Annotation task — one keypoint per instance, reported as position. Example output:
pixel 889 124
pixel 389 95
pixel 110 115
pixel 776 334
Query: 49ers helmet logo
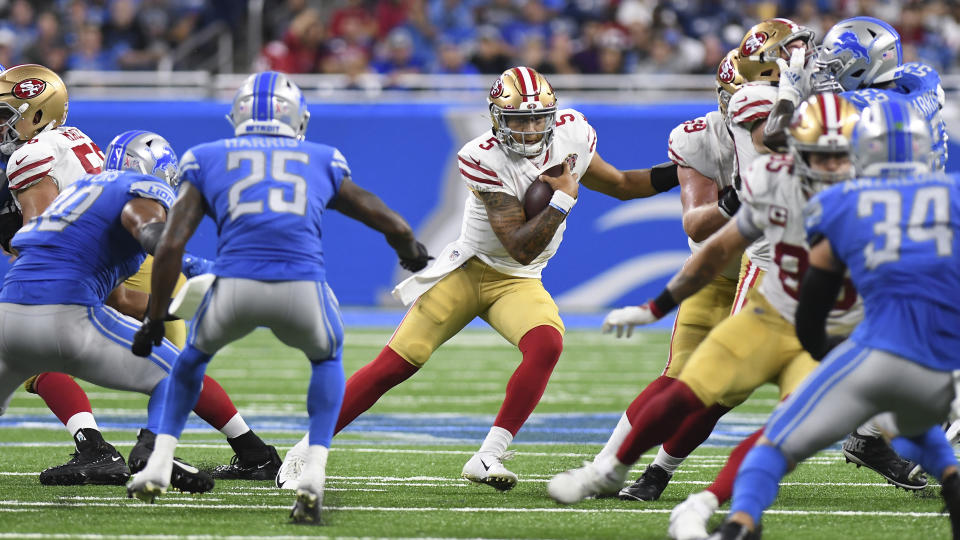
pixel 29 88
pixel 753 43
pixel 497 89
pixel 726 72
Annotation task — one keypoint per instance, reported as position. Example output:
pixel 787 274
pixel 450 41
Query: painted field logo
pixel 753 43
pixel 29 88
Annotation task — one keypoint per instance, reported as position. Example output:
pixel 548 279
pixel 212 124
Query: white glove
pixel 796 78
pixel 628 317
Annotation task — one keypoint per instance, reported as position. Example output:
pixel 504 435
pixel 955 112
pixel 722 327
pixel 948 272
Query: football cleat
pixel 649 486
pixel 101 465
pixel 688 520
pixel 587 482
pixel 288 475
pixel 874 453
pixel 487 468
pixel 183 476
pixel 243 469
pixel 306 509
pixel 950 491
pixel 734 531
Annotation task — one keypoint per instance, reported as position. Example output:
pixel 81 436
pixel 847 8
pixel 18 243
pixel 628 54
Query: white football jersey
pixel 486 166
pixel 705 145
pixel 64 153
pixel 751 103
pixel 776 204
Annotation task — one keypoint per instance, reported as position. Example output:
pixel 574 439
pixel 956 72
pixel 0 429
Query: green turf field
pixel 395 472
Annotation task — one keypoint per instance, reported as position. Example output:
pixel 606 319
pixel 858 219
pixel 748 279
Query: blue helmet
pixel 269 103
pixel 891 138
pixel 859 52
pixel 144 152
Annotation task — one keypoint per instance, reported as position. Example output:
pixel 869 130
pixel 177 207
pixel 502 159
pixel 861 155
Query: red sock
pixel 659 420
pixel 370 382
pixel 214 405
pixel 62 395
pixel 693 431
pixel 654 388
pixel 722 486
pixel 541 348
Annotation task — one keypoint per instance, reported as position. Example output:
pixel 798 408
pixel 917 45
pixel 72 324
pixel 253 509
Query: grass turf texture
pixel 395 472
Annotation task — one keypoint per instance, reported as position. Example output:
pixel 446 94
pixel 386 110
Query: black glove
pixel 728 202
pixel 10 223
pixel 418 263
pixel 149 335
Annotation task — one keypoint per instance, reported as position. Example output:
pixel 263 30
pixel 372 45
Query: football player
pixel 493 269
pixel 896 230
pixel 726 368
pixel 267 190
pixel 70 258
pixel 45 157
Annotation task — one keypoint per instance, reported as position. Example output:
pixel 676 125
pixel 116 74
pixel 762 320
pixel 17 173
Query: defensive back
pixel 77 251
pixel 267 196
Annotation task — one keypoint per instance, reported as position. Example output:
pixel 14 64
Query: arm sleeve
pixel 818 293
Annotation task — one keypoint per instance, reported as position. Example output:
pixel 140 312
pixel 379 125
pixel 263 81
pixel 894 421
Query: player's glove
pixel 624 319
pixel 417 263
pixel 10 223
pixel 149 335
pixel 728 201
pixel 795 77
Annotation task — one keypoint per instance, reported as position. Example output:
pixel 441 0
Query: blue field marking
pixel 424 429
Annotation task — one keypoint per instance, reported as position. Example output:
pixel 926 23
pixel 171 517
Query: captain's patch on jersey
pixel 777 215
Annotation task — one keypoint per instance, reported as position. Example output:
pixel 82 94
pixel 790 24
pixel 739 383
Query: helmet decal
pixel 848 41
pixel 497 89
pixel 29 88
pixel 726 73
pixel 753 43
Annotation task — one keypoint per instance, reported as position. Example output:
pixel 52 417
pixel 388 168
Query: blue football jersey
pixel 77 251
pixel 900 240
pixel 919 85
pixel 267 196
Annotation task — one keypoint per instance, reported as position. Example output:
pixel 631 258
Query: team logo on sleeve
pixel 778 215
pixel 753 43
pixel 29 88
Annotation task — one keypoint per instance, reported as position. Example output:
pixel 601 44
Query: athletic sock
pixel 931 450
pixel 183 391
pixel 497 441
pixel 616 439
pixel 667 462
pixel 649 392
pixel 541 348
pixel 213 404
pixel 657 421
pixel 758 481
pixel 324 398
pixel 722 486
pixel 66 400
pixel 373 380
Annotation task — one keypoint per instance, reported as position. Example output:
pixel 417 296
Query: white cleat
pixel 152 481
pixel 288 476
pixel 306 509
pixel 688 520
pixel 487 468
pixel 586 482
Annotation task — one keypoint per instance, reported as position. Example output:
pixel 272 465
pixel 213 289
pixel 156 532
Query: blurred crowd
pixel 394 37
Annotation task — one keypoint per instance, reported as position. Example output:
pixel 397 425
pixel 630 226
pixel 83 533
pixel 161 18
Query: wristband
pixel 662 304
pixel 562 202
pixel 663 177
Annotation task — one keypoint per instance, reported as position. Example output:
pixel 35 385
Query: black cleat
pixel 241 467
pixel 95 462
pixel 649 486
pixel 306 511
pixel 874 453
pixel 730 530
pixel 184 477
pixel 950 491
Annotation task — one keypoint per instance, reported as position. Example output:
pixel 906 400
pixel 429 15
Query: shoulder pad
pixel 477 173
pixel 690 143
pixel 31 162
pixel 751 103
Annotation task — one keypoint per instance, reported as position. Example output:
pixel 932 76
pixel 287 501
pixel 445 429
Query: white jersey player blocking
pixel 65 154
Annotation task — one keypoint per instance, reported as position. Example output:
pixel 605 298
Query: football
pixel 538 195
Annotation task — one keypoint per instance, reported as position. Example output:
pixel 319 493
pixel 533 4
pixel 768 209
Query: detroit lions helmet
pixel 891 139
pixel 764 43
pixel 269 103
pixel 143 152
pixel 824 123
pixel 522 93
pixel 729 79
pixel 859 52
pixel 32 99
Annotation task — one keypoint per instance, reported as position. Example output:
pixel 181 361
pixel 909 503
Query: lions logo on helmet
pixel 762 45
pixel 522 96
pixel 269 103
pixel 857 53
pixel 32 99
pixel 144 152
pixel 824 123
pixel 892 138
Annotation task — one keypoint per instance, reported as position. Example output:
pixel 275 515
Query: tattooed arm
pixel 524 240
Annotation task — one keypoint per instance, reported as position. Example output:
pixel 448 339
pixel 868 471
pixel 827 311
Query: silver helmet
pixel 891 138
pixel 857 53
pixel 269 103
pixel 144 152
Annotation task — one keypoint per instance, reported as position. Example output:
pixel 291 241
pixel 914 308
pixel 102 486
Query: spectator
pixel 48 49
pixel 88 53
pixel 491 54
pixel 451 60
pixel 302 47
